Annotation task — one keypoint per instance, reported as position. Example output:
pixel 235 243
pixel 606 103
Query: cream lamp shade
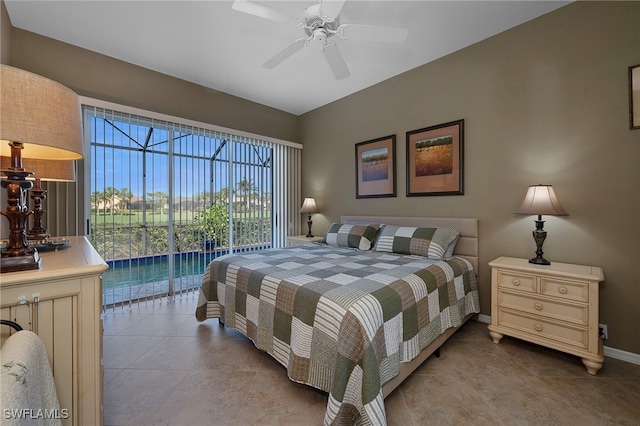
pixel 46 170
pixel 43 115
pixel 539 200
pixel 309 206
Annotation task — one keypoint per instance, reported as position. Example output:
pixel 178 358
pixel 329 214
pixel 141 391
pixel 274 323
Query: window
pixel 167 197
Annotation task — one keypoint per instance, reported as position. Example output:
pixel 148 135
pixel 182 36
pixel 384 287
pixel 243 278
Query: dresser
pixel 62 303
pixel 298 240
pixel 552 305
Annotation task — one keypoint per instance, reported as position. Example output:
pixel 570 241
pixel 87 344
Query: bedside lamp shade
pixel 309 207
pixel 39 119
pixel 539 200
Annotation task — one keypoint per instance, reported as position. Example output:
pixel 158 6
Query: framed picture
pixel 435 160
pixel 634 97
pixel 376 168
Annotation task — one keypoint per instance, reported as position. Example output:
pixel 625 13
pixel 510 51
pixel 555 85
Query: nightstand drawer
pixel 553 309
pixel 524 282
pixel 570 290
pixel 541 329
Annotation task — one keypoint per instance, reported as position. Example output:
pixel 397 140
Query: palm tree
pixel 248 189
pixel 96 197
pixel 158 198
pixel 109 194
pixel 125 196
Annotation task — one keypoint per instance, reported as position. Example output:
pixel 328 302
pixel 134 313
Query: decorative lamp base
pixel 539 261
pixel 539 235
pixel 309 223
pixel 26 262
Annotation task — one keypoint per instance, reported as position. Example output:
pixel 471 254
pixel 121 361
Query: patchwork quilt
pixel 339 319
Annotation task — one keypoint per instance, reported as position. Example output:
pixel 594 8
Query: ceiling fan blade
pixel 285 53
pixel 335 60
pixel 373 33
pixel 331 8
pixel 264 12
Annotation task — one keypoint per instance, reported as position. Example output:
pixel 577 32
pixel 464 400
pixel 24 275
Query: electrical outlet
pixel 604 333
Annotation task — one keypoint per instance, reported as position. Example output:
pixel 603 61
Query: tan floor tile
pixel 134 395
pixel 122 351
pixel 206 398
pixel 172 353
pixel 162 367
pixel 609 401
pixel 114 323
pixel 156 325
pixel 274 400
pixel 445 400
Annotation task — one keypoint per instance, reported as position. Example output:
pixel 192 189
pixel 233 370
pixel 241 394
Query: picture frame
pixel 376 168
pixel 634 97
pixel 435 160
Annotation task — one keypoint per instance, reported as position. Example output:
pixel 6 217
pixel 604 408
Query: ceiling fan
pixel 321 22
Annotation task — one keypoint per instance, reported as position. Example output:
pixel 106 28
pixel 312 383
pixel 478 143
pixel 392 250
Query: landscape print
pixel 375 168
pixel 375 164
pixel 435 160
pixel 434 156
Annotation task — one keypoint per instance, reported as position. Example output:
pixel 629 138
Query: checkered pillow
pixel 352 235
pixel 428 242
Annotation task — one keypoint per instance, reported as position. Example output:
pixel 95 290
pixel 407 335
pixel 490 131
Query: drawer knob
pixel 537 327
pixel 538 306
pixel 515 281
pixel 562 290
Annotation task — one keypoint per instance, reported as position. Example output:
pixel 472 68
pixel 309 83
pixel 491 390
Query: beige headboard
pixel 467 246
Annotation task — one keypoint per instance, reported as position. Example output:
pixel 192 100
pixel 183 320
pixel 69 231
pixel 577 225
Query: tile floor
pixel 162 367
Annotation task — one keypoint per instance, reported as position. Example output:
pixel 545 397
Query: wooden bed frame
pixel 466 247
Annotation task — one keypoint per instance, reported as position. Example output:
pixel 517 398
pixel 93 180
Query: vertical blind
pixel 167 196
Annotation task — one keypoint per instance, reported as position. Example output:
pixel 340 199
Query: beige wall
pixel 545 102
pixel 5 35
pixel 101 77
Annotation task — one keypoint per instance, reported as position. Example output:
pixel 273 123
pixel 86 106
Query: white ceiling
pixel 209 43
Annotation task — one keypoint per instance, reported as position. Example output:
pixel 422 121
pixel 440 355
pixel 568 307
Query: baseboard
pixel 621 355
pixel 607 351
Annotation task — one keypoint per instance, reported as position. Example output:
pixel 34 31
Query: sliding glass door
pixel 167 198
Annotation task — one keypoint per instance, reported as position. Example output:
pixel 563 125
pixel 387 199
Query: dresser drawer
pixel 542 329
pixel 565 289
pixel 554 309
pixel 524 282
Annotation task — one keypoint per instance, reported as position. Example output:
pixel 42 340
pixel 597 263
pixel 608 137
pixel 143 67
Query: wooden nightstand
pixel 552 305
pixel 298 240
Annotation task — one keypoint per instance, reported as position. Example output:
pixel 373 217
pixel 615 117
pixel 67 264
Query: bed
pixel 355 315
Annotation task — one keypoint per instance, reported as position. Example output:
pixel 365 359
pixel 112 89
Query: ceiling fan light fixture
pixel 322 27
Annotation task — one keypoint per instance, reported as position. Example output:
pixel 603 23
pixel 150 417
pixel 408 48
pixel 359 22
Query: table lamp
pixel 309 207
pixel 43 171
pixel 39 119
pixel 539 200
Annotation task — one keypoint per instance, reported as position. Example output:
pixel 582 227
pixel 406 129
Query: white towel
pixel 28 390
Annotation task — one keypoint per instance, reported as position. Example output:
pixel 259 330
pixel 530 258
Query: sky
pixel 117 161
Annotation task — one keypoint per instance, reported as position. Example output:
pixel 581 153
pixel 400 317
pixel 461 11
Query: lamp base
pixel 37 237
pixel 26 262
pixel 309 223
pixel 539 260
pixel 539 236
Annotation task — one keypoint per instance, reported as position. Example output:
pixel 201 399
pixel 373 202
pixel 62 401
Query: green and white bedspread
pixel 339 319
